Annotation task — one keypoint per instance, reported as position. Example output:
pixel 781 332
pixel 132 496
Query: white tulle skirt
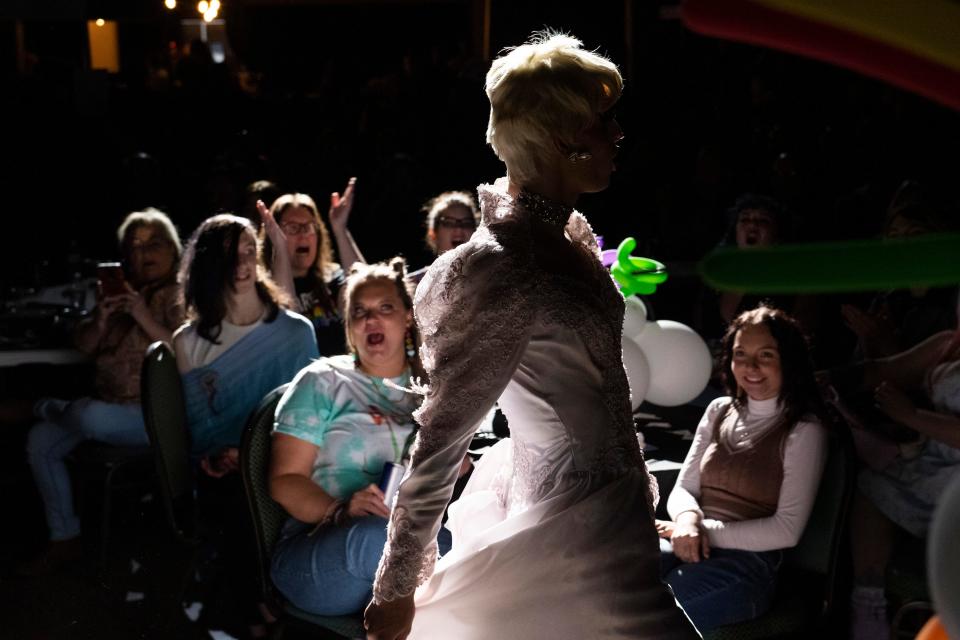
pixel 579 562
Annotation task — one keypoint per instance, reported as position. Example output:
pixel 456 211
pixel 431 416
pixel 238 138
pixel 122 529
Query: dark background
pixel 392 92
pixel 312 93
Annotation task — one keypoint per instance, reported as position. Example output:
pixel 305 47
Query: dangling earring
pixel 579 156
pixel 408 344
pixel 356 358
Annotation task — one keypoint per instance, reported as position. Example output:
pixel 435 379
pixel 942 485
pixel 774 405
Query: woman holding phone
pixel 138 304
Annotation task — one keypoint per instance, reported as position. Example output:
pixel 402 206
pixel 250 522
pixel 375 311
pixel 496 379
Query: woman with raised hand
pixel 299 255
pixel 554 535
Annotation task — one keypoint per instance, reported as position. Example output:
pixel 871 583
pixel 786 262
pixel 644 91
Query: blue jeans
pixel 730 586
pixel 331 572
pixel 49 442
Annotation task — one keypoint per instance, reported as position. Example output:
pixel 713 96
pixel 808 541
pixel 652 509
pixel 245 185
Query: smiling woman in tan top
pixel 749 480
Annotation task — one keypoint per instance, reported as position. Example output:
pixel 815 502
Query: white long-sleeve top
pixel 804 455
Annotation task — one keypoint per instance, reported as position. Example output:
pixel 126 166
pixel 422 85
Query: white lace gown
pixel 553 537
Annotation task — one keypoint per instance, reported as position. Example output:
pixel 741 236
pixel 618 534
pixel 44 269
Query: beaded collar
pixel 553 213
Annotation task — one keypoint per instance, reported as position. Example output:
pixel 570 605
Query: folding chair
pixel 268 518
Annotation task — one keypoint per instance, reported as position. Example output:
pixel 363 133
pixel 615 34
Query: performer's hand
pixel 389 620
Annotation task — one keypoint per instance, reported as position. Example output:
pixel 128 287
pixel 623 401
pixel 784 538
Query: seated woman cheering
pixel 299 255
pixel 339 422
pixel 239 343
pixel 747 486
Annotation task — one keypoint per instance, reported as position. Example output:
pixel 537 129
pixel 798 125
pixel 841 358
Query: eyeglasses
pixel 456 223
pixel 299 229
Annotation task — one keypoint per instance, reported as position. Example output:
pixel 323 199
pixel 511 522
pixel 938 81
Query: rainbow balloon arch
pixel 912 44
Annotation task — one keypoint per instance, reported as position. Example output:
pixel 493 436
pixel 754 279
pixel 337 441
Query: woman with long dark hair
pixel 239 342
pixel 748 483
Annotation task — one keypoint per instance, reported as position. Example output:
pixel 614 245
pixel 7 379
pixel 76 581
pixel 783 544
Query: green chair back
pixel 268 518
pixel 818 549
pixel 165 417
pixel 808 575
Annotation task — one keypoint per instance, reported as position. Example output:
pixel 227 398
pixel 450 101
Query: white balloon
pixel 638 371
pixel 679 360
pixel 634 317
pixel 943 558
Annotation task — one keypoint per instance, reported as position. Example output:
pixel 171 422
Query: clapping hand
pixel 340 207
pixel 269 225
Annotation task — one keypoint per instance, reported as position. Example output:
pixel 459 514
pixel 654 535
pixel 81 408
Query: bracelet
pixel 334 515
pixel 340 513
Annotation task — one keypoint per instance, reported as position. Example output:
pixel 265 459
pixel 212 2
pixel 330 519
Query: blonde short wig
pixel 544 91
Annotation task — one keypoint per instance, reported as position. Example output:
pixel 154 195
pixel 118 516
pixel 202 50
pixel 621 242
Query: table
pixel 41 356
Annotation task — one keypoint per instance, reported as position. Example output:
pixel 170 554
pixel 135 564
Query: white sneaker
pixel 868 614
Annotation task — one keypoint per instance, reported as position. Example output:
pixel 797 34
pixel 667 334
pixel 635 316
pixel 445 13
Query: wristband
pixel 333 515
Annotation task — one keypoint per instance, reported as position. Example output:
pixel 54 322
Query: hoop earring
pixel 409 346
pixel 579 156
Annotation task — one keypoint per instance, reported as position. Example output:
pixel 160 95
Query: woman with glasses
pixel 115 336
pixel 451 219
pixel 340 421
pixel 298 253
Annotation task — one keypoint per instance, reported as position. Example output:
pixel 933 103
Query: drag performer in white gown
pixel 554 535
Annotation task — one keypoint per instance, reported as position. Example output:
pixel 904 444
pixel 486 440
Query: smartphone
pixel 112 280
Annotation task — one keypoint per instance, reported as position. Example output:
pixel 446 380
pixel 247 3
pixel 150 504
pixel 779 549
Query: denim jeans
pixel 49 442
pixel 331 572
pixel 730 586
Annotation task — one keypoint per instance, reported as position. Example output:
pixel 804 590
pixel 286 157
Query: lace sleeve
pixel 475 311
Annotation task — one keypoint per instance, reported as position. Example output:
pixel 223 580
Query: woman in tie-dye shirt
pixel 341 419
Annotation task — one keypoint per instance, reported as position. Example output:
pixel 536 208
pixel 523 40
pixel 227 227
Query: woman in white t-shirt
pixel 239 342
